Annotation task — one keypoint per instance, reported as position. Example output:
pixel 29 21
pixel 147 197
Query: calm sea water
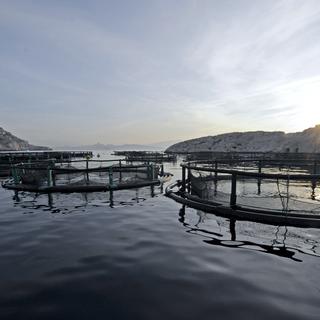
pixel 144 256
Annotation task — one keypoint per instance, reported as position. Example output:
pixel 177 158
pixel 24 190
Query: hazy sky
pixel 79 72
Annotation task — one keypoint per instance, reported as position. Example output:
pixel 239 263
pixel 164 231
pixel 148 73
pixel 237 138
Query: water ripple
pixel 141 256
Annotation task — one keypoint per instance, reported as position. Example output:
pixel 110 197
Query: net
pixel 88 173
pixel 284 188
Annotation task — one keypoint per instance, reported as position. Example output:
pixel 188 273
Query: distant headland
pixel 253 141
pixel 9 142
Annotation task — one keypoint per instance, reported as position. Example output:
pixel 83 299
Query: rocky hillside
pixel 9 142
pixel 258 141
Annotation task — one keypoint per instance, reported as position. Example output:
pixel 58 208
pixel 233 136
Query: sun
pixel 304 97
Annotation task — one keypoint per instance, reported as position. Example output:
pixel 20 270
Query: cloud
pixel 131 70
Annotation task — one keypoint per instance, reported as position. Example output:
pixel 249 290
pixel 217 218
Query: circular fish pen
pixel 278 192
pixel 146 156
pixel 81 176
pixel 10 158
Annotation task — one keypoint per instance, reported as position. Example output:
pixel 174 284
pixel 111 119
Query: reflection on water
pixel 276 235
pixel 67 203
pixel 136 254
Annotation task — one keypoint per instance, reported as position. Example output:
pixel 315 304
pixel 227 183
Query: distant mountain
pixel 128 147
pixel 163 145
pixel 100 146
pixel 9 142
pixel 254 141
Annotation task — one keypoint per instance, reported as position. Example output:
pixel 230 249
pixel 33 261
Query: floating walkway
pixel 247 190
pixel 146 156
pixel 228 155
pixel 42 155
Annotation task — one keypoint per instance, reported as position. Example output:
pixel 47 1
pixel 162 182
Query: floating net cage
pixel 279 192
pixel 147 156
pixel 251 155
pixel 8 159
pixel 81 176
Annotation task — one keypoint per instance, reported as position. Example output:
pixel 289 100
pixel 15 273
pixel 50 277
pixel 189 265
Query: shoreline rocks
pixel 9 142
pixel 253 141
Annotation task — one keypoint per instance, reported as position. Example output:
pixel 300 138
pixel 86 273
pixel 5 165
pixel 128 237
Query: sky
pixel 81 72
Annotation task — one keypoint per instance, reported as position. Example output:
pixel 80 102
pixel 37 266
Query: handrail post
pixel 260 166
pixel 148 171
pixel 87 168
pixel 233 195
pixel 15 175
pixel 110 177
pixel 49 176
pixel 183 186
pixel 189 178
pixel 259 179
pixel 216 168
pixel 53 175
pixel 313 187
pixel 120 171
